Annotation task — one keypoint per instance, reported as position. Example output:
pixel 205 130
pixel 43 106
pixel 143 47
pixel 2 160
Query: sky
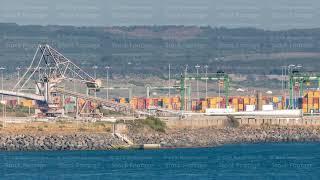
pixel 264 14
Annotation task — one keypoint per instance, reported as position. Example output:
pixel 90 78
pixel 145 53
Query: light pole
pixel 107 68
pixel 282 76
pixel 198 93
pixel 206 67
pixel 95 77
pixel 291 91
pixel 2 101
pixel 169 77
pixel 95 71
pixel 2 69
pixel 18 71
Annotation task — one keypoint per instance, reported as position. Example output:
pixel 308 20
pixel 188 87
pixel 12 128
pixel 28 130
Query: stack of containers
pixel 69 104
pixel 204 105
pixel 275 102
pixel 176 104
pixel 253 101
pixel 246 101
pixel 235 104
pixel 160 103
pixel 222 102
pixel 12 103
pixel 141 103
pixel 240 104
pixel 123 100
pixel 167 102
pixel 316 101
pixel 305 105
pixel 155 102
pixel 213 102
pixel 149 103
pixel 134 103
pixel 310 101
pixel 26 103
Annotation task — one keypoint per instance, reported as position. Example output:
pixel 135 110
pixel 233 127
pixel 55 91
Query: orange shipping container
pixel 252 101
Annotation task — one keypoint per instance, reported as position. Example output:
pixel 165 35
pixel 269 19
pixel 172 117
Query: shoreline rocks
pixel 211 136
pixel 43 142
pixel 172 138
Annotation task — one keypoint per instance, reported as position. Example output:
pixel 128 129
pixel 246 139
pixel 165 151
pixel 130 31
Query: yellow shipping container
pixel 213 105
pixel 213 102
pixel 176 100
pixel 310 94
pixel 316 94
pixel 316 106
pixel 235 101
pixel 246 100
pixel 275 99
pixel 305 110
pixel 204 105
pixel 26 103
pixel 310 100
pixel 122 100
pixel 166 101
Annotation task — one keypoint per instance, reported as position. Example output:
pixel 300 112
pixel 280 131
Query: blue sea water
pixel 234 162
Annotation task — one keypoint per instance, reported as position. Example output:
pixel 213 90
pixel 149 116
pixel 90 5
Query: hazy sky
pixel 267 14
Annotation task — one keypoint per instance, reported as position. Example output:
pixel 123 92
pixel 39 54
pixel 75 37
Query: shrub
pixel 155 124
pixel 81 129
pixel 232 122
pixel 107 129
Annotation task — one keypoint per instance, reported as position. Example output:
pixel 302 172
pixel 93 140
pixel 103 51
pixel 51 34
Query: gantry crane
pixel 298 77
pixel 219 76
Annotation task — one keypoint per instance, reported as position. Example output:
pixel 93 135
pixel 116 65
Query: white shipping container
pixel 267 107
pixel 219 111
pixel 250 108
pixel 284 113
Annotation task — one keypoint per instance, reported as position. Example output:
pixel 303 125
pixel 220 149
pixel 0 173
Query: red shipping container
pixel 155 102
pixel 315 100
pixel 305 101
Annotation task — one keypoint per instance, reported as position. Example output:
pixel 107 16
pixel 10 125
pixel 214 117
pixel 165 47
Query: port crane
pixel 46 72
pixel 300 78
pixel 219 76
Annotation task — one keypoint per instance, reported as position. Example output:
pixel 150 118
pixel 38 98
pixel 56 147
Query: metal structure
pixel 47 71
pixel 219 76
pixel 52 68
pixel 301 78
pixel 149 88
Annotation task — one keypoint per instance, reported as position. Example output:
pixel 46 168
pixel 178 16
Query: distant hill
pixel 149 49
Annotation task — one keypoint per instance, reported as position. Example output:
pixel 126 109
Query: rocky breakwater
pixel 212 136
pixel 40 142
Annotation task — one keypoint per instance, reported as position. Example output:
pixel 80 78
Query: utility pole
pixel 107 68
pixel 18 71
pixel 169 80
pixel 198 93
pixel 2 100
pixel 206 67
pixel 95 77
pixel 95 71
pixel 2 69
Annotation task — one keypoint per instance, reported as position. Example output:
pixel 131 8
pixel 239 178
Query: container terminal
pixel 42 87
